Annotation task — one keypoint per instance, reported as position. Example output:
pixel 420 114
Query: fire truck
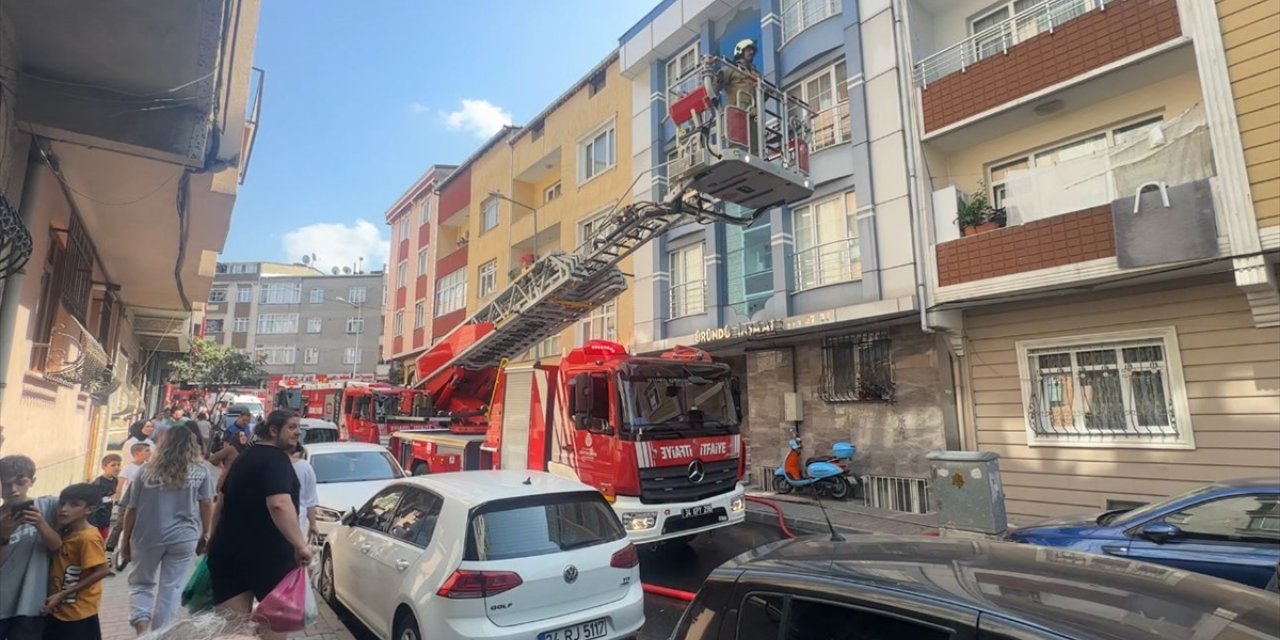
pixel 657 435
pixel 365 411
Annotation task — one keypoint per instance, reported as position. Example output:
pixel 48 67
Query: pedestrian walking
pixel 206 427
pixel 108 485
pixel 257 540
pixel 28 534
pixel 167 520
pixel 75 579
pixel 140 431
pixel 308 498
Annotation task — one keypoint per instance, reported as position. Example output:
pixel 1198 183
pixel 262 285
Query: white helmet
pixel 742 47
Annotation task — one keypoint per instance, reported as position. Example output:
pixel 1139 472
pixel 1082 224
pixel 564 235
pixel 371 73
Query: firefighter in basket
pixel 738 82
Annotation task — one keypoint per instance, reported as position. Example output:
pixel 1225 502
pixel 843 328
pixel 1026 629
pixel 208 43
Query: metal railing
pixel 828 263
pixel 74 357
pixel 798 15
pixel 831 126
pixel 689 298
pixel 1041 18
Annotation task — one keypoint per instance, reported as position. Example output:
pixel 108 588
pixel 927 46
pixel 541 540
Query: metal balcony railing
pixel 831 127
pixel 828 263
pixel 688 298
pixel 253 114
pixel 74 357
pixel 1040 18
pixel 798 15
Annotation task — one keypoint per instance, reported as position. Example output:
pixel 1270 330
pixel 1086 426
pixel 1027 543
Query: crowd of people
pixel 177 489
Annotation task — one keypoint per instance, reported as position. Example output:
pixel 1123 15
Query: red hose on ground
pixel 782 523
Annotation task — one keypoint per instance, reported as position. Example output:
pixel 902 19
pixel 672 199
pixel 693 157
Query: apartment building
pixel 525 193
pixel 410 279
pixel 296 318
pixel 1112 305
pixel 818 299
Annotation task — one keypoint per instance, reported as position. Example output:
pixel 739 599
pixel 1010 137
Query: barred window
pixel 857 368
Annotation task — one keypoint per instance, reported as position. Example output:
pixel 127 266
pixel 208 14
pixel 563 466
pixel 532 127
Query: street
pixel 677 566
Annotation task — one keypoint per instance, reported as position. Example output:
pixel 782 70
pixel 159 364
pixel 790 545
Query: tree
pixel 214 366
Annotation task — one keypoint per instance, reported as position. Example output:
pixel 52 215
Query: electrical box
pixel 969 492
pixel 792 407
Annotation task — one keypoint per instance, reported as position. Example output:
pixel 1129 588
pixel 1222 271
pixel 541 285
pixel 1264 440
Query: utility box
pixel 969 492
pixel 792 407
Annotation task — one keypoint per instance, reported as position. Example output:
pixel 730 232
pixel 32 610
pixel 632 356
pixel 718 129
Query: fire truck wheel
pixel 421 469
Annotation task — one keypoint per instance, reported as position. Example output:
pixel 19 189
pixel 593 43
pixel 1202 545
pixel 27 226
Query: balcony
pixel 828 263
pixel 452 261
pixel 798 15
pixel 1046 47
pixel 831 127
pixel 688 299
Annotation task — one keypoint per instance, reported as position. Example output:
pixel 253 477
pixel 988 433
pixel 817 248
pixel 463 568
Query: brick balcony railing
pixel 1066 239
pixel 1044 46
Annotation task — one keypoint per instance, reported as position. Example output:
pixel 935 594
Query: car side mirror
pixel 1160 532
pixel 348 517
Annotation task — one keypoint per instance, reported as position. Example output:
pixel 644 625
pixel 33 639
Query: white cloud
pixel 339 245
pixel 479 117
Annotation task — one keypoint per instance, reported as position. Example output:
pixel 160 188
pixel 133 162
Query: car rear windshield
pixel 354 466
pixel 540 525
pixel 317 435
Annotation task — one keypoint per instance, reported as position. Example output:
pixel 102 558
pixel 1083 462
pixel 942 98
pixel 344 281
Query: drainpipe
pixel 911 144
pixel 12 297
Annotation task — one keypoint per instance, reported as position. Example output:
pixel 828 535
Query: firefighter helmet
pixel 742 46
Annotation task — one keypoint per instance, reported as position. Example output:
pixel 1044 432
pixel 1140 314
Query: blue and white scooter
pixel 827 476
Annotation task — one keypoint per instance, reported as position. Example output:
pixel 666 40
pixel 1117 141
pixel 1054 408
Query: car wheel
pixel 407 628
pixel 421 469
pixel 780 485
pixel 328 592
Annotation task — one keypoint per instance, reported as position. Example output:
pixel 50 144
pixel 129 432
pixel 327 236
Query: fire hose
pixel 687 596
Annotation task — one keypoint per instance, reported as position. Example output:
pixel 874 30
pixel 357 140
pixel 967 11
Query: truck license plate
pixel 693 512
pixel 584 631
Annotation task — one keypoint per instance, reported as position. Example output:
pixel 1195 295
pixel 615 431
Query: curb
pixel 762 515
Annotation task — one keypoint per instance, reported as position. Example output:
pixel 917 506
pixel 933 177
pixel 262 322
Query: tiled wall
pixel 1066 239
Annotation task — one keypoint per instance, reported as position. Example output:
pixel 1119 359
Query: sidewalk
pixel 114 615
pixel 802 516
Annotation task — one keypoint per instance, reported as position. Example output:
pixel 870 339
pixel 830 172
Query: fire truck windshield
pixel 678 397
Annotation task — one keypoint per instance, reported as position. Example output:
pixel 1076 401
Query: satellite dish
pixel 306 259
pixel 313 257
pixel 335 271
pixel 346 270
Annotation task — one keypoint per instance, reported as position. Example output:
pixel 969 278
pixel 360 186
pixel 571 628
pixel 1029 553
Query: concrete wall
pixel 892 439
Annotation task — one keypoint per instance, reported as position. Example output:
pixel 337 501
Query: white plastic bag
pixel 309 612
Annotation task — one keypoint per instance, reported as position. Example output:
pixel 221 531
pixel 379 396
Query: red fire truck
pixel 659 435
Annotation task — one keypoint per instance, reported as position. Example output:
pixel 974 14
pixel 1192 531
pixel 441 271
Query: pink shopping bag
pixel 284 609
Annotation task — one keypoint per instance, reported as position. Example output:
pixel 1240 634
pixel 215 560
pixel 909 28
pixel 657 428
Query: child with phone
pixel 28 534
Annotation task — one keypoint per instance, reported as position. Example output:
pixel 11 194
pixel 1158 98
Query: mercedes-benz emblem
pixel 570 574
pixel 696 472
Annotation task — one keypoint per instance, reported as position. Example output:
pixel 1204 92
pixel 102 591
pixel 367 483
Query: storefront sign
pixel 744 330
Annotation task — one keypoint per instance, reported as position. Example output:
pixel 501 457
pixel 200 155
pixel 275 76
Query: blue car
pixel 1226 529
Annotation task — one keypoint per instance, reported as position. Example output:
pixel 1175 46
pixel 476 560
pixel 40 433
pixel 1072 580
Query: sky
pixel 361 98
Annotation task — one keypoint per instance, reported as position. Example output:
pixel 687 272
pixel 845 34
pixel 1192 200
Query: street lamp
pixel 355 363
pixel 498 195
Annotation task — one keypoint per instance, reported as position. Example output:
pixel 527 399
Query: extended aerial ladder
pixel 755 158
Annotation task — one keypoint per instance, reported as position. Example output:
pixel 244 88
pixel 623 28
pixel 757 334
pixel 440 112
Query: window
pixel 682 76
pixel 313 325
pixel 356 295
pixel 311 356
pixel 813 619
pixel 402 274
pixel 600 324
pixel 827 249
pixel 351 356
pixel 218 294
pixel 489 215
pixel 404 228
pixel 994 31
pixel 749 267
pixel 551 193
pixel 688 281
pixel 397 323
pixel 419 315
pixel 1124 388
pixel 244 294
pixel 290 293
pixel 415 520
pixel 317 296
pixel 538 525
pixel 424 212
pixel 376 514
pixel 761 616
pixel 213 325
pixel 241 325
pixel 798 15
pixel 488 280
pixel 827 93
pixel 451 292
pixel 355 325
pixel 597 154
pixel 1252 519
pixel 278 323
pixel 278 354
pixel 422 261
pixel 549 348
pixel 857 368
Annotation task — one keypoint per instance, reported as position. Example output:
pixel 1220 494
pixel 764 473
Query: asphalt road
pixel 679 566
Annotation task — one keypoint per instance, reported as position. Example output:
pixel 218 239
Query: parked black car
pixel 889 588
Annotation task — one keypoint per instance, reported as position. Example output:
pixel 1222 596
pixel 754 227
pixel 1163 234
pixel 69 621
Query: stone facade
pixel 892 438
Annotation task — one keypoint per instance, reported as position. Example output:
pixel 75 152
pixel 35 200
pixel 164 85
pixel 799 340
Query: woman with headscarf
pixel 139 431
pixel 168 518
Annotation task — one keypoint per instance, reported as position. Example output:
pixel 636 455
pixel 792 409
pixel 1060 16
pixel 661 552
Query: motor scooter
pixel 826 475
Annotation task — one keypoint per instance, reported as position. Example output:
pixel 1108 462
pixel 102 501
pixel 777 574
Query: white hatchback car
pixel 347 475
pixel 486 555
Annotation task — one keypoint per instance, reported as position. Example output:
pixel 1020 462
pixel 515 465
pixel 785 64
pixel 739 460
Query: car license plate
pixel 693 512
pixel 585 631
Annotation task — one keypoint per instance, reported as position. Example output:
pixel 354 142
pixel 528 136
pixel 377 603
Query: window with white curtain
pixel 241 325
pixel 314 325
pixel 827 93
pixel 278 354
pixel 598 153
pixel 451 292
pixel 311 356
pixel 244 294
pixel 278 323
pixel 285 293
pixel 600 324
pixel 827 249
pixel 688 281
pixel 356 295
pixel 488 280
pixel 351 356
pixel 798 15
